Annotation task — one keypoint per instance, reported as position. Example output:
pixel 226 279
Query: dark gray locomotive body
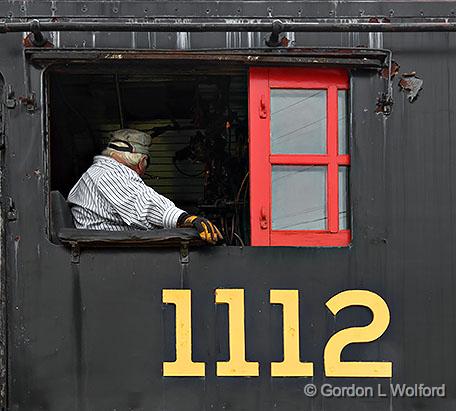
pixel 84 325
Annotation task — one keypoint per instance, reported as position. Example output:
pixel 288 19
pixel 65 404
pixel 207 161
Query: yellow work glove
pixel 206 230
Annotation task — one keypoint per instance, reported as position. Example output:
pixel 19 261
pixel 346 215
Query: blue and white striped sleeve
pixel 136 203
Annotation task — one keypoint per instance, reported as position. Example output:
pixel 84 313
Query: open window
pixel 299 161
pixel 262 152
pixel 197 117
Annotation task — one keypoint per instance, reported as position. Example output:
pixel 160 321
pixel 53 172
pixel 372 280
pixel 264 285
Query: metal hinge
pixel 75 252
pixel 10 99
pixel 264 223
pixel 184 259
pixel 263 110
pixel 11 213
pixel 29 102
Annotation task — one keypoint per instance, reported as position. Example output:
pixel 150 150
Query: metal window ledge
pixel 347 57
pixel 155 238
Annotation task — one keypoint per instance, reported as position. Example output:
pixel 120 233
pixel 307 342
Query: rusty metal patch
pixel 390 72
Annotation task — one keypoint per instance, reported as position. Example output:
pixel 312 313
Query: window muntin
pixel 291 205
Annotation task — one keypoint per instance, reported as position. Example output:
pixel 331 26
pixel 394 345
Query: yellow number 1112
pixel 291 366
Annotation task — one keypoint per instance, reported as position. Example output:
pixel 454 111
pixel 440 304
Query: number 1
pixel 183 366
pixel 237 366
pixel 291 366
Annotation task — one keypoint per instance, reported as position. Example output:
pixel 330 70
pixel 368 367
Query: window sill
pixel 153 238
pixel 310 238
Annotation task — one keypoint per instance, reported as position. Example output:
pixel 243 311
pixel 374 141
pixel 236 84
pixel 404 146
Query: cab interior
pixel 197 117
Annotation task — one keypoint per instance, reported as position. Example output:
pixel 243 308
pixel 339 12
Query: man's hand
pixel 206 230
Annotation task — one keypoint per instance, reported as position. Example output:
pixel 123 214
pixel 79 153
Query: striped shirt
pixel 111 196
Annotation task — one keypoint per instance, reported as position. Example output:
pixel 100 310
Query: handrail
pixel 182 24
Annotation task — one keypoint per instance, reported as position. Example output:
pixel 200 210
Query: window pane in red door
pixel 298 121
pixel 342 109
pixel 299 198
pixel 343 199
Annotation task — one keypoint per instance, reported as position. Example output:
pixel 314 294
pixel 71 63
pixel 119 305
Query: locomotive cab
pixel 197 117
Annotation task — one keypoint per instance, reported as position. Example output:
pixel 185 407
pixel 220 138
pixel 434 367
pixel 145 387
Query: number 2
pixel 334 367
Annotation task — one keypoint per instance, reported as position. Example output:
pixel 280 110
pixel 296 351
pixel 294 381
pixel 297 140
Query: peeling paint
pixel 375 40
pixel 115 56
pixel 390 72
pixel 152 40
pixel 291 36
pixel 250 39
pixel 411 85
pixel 55 36
pixel 233 39
pixel 183 40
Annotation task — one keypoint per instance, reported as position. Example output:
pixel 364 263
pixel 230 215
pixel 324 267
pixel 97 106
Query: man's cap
pixel 137 141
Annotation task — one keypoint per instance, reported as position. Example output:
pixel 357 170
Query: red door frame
pixel 261 80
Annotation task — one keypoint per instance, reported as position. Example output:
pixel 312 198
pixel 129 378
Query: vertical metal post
pixel 119 101
pixel 3 299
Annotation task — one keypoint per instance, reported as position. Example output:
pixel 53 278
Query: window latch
pixel 263 110
pixel 263 219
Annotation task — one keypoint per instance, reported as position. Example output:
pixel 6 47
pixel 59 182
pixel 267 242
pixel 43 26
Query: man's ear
pixel 143 164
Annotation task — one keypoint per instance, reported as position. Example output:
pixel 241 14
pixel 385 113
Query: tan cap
pixel 138 140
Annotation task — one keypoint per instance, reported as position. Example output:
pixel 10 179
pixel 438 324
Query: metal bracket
pixel 184 253
pixel 75 252
pixel 29 102
pixel 277 28
pixel 384 104
pixel 385 101
pixel 38 40
pixel 10 99
pixel 11 212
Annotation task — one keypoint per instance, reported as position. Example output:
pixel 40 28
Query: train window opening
pixel 199 154
pixel 263 153
pixel 299 157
